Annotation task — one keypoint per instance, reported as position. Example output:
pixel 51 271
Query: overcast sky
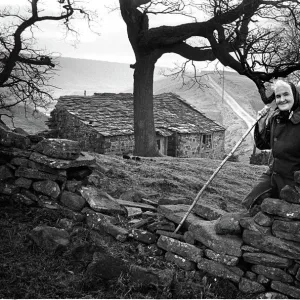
pixel 111 45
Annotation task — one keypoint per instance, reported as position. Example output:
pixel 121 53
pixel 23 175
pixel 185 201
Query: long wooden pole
pixel 214 174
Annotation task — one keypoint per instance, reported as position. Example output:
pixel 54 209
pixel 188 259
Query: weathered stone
pixel 73 185
pixel 135 204
pixel 47 187
pixel 208 212
pixel 161 225
pixel 132 195
pixel 93 218
pixel 173 235
pixel 23 182
pixel 262 279
pixel 100 223
pixel 5 173
pixel 70 214
pixel 8 189
pixel 30 195
pixel 286 289
pixel 297 177
pixel 35 174
pixel 272 273
pixel 267 259
pixel 20 198
pixel 218 270
pixel 281 208
pixel 143 236
pixel 72 201
pixel 175 213
pixel 271 295
pixel 34 165
pixel 83 160
pixel 247 248
pixel 50 238
pixel 229 224
pixel 290 194
pixel 221 258
pixel 12 139
pixel 287 230
pixel 189 238
pixel 184 250
pixel 263 220
pixel 250 287
pixel 204 232
pixel 272 244
pixel 146 214
pixel 47 202
pixel 148 201
pixel 20 161
pixel 173 201
pixel 59 148
pixel 100 201
pixel 248 223
pixel 250 275
pixel 66 224
pixel 14 152
pixel 298 274
pixel 181 262
pixel 133 212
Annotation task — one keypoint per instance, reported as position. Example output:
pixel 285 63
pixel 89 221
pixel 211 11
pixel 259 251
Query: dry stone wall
pixel 260 252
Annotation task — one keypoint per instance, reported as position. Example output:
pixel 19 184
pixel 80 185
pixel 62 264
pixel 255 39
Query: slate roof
pixel 112 114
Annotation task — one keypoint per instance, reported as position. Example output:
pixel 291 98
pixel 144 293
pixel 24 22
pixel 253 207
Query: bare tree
pixel 24 69
pixel 250 36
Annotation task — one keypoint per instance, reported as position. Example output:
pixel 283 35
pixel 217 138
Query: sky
pixel 111 44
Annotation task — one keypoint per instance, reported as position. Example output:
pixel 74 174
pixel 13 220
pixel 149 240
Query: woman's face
pixel 284 97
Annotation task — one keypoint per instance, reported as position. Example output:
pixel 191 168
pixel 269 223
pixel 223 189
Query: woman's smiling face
pixel 284 97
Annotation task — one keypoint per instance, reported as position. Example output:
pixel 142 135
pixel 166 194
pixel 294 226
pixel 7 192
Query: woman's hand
pixel 263 112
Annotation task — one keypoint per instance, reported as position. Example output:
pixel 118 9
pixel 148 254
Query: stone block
pixel 267 259
pixel 272 273
pixel 72 201
pixel 143 236
pixel 218 270
pixel 229 224
pixel 290 194
pixel 181 262
pixel 263 220
pixel 250 224
pixel 250 287
pixel 47 187
pixel 23 182
pixel 287 230
pixel 221 258
pixel 272 244
pixel 173 235
pixel 189 238
pixel 208 212
pixel 281 208
pixel 262 279
pixel 286 289
pixel 204 232
pixel 184 250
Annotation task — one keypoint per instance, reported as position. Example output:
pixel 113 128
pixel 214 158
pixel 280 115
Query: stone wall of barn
pixel 69 126
pixel 189 145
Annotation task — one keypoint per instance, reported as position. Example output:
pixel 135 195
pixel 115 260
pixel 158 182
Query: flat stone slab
pixel 208 212
pixel 218 270
pixel 204 232
pixel 176 213
pixel 286 289
pixel 267 259
pixel 249 223
pixel 83 160
pixel 272 273
pixel 281 208
pixel 36 174
pixel 250 287
pixel 272 244
pixel 184 250
pixel 14 152
pixel 263 220
pixel 221 258
pixel 101 201
pixel 135 204
pixel 287 230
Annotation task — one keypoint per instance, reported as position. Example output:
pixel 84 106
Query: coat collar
pixel 295 119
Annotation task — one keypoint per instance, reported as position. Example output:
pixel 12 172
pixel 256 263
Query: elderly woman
pixel 278 130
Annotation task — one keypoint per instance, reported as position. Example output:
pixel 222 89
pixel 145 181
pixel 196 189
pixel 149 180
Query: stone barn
pixel 103 123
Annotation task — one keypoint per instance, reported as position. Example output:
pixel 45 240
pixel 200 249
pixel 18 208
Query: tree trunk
pixel 144 129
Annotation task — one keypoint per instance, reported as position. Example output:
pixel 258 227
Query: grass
pixel 27 271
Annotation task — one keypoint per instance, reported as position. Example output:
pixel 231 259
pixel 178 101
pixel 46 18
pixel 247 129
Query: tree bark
pixel 144 128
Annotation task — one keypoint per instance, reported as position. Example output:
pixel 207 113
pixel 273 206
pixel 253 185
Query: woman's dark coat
pixel 281 134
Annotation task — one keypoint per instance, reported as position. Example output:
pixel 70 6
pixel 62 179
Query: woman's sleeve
pixel 262 134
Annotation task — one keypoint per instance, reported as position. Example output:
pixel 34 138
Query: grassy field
pixel 29 272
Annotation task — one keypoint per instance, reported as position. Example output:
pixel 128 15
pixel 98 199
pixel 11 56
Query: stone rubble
pixel 260 253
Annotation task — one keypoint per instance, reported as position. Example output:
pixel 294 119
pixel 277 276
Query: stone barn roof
pixel 112 114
